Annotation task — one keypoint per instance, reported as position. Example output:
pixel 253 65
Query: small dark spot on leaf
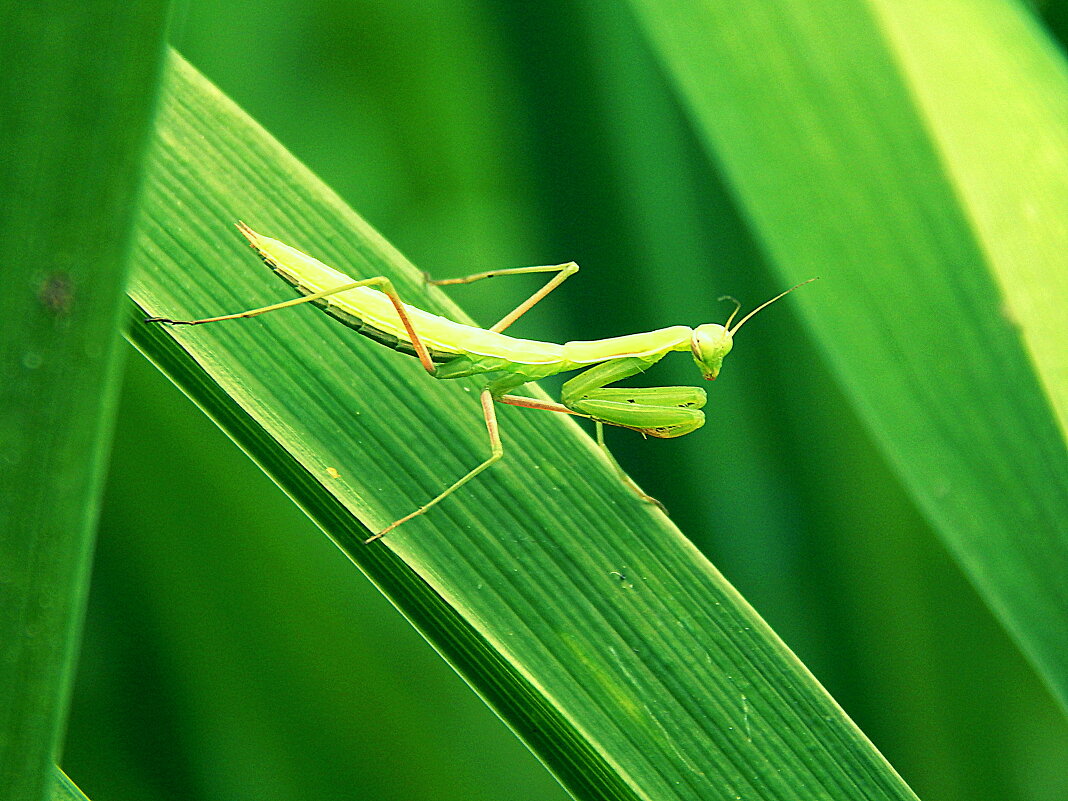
pixel 56 293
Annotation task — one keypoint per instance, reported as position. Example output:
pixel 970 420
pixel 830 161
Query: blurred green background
pixel 232 652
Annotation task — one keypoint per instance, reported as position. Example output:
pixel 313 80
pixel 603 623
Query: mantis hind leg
pixel 379 282
pixel 496 452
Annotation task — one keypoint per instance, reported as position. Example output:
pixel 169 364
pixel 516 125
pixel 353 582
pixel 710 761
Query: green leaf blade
pixel 1008 168
pixel 63 789
pixel 583 617
pixel 77 92
pixel 833 161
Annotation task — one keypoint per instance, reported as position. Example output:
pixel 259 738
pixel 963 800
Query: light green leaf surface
pixel 77 90
pixel 63 789
pixel 914 155
pixel 993 92
pixel 595 629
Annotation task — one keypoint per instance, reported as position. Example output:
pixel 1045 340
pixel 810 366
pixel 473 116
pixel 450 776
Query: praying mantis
pixel 447 349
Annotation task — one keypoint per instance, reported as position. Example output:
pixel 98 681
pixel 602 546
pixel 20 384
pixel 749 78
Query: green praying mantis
pixel 447 349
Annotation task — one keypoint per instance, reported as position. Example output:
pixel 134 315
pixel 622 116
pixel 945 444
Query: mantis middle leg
pixel 497 451
pixel 486 398
pixel 563 272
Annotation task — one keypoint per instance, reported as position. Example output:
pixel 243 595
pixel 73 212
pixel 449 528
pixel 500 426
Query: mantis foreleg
pixel 655 411
pixel 551 406
pixel 658 411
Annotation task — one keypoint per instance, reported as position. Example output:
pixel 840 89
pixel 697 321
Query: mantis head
pixel 711 342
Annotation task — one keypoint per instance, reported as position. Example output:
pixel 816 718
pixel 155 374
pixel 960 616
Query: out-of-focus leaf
pixel 63 789
pixel 77 89
pixel 868 144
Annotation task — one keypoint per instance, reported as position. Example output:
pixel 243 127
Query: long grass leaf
pixel 77 89
pixel 582 615
pixel 914 156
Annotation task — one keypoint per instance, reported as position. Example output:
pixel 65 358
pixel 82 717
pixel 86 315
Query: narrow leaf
pixel 914 156
pixel 581 614
pixel 77 90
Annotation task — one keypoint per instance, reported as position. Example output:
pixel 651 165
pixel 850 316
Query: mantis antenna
pixel 766 303
pixel 737 307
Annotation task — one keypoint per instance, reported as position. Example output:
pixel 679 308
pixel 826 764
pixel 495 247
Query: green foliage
pixel 77 88
pixel 232 653
pixel 907 193
pixel 63 789
pixel 578 612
